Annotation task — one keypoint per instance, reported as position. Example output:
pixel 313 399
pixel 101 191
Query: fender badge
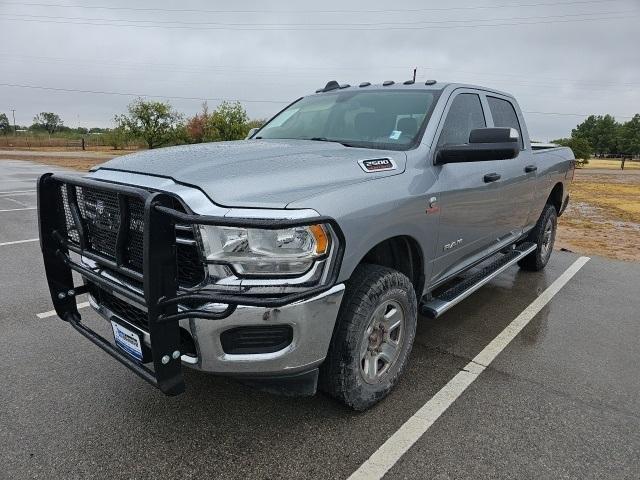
pixel 377 165
pixel 452 245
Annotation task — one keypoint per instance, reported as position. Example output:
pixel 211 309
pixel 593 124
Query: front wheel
pixel 373 337
pixel 543 235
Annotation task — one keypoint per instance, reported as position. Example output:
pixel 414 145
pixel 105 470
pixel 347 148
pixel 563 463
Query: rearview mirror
pixel 484 144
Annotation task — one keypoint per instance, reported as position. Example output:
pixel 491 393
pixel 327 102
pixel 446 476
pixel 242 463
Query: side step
pixel 458 292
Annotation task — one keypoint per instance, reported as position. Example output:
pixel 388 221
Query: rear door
pixel 466 201
pixel 518 174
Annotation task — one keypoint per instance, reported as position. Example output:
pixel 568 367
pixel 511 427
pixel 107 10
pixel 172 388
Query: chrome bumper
pixel 312 322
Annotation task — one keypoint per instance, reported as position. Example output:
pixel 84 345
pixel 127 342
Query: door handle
pixel 530 168
pixel 491 177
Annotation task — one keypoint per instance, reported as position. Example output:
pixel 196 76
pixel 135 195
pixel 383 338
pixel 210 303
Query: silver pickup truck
pixel 301 257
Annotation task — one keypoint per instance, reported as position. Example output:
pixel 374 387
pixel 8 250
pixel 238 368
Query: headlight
pixel 251 251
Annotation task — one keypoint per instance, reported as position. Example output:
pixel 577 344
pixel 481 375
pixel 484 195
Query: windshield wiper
pixel 325 139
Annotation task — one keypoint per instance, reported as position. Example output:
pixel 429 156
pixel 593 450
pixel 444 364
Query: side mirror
pixel 251 133
pixel 484 144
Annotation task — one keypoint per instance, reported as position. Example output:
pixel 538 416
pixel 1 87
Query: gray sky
pixel 573 57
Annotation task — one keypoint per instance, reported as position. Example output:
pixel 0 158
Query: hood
pixel 260 173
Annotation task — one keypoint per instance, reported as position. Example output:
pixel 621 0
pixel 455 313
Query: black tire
pixel 372 289
pixel 543 238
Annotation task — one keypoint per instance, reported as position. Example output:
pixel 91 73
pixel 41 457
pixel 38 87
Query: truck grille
pixel 101 216
pixel 121 308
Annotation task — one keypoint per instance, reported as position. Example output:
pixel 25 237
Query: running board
pixel 444 301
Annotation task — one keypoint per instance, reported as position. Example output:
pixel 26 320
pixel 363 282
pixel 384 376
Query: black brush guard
pixel 161 293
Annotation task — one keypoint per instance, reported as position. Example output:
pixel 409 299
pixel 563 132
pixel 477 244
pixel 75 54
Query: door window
pixel 465 114
pixel 504 115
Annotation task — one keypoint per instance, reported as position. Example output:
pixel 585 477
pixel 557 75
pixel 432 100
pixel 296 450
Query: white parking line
pixel 399 443
pixel 20 192
pixel 52 313
pixel 10 195
pixel 18 202
pixel 19 241
pixel 18 209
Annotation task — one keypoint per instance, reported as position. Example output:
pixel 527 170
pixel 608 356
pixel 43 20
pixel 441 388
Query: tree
pixel 156 123
pixel 5 126
pixel 602 133
pixel 48 121
pixel 606 135
pixel 228 122
pixel 580 147
pixel 586 129
pixel 630 136
pixel 116 138
pixel 180 135
pixel 197 127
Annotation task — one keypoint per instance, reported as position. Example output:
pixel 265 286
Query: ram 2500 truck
pixel 301 257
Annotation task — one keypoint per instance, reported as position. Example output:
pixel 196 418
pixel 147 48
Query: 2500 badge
pixel 377 165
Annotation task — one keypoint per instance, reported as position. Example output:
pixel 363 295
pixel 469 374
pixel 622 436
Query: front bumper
pixel 311 320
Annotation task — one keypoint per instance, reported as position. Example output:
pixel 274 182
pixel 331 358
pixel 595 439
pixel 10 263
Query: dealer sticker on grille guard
pixel 127 340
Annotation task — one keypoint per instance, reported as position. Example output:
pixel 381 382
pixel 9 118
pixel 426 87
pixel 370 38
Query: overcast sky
pixel 573 57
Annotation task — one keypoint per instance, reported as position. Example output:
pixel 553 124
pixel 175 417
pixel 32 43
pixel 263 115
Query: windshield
pixel 389 119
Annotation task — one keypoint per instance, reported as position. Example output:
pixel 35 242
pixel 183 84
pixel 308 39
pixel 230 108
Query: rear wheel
pixel 543 235
pixel 373 337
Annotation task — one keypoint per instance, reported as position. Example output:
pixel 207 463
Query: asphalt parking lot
pixel 562 400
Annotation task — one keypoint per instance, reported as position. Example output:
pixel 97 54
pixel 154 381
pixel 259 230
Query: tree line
pixel 602 135
pixel 155 123
pixel 158 124
pixel 47 122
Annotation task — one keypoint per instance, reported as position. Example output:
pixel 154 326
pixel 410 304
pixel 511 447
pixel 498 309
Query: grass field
pixel 77 163
pixel 596 163
pixel 76 159
pixel 603 217
pixel 88 148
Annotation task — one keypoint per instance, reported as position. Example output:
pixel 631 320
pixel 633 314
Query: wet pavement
pixel 561 401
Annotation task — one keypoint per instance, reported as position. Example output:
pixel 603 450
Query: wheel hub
pixel 382 341
pixel 376 338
